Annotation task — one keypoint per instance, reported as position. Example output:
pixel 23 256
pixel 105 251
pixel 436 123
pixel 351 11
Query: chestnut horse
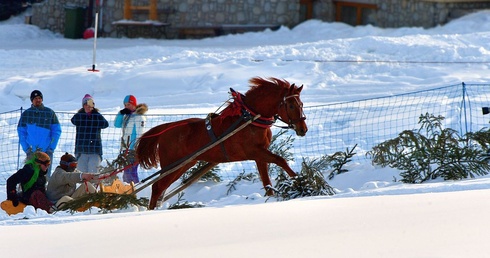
pixel 171 142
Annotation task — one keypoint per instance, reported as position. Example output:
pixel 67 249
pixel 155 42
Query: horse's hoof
pixel 269 190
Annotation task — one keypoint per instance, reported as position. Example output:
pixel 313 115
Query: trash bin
pixel 74 22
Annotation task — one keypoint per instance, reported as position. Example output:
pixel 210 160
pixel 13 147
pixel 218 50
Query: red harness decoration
pixel 236 109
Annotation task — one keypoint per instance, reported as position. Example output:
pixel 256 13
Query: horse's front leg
pixel 269 157
pixel 262 164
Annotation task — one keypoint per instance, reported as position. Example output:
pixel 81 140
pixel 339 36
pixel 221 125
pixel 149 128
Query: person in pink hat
pixel 88 142
pixel 132 120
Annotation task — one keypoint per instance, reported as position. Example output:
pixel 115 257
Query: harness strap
pixel 209 129
pixel 184 160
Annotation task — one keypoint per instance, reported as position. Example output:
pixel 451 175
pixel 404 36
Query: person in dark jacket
pixel 32 181
pixel 88 144
pixel 39 128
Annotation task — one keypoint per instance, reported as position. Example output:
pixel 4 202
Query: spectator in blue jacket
pixel 39 128
pixel 88 144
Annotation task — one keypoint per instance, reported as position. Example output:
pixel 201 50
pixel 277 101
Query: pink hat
pixel 88 100
pixel 130 99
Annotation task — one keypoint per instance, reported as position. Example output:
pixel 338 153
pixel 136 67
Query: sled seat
pixel 117 187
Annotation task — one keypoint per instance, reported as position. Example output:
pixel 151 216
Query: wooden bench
pixel 131 29
pixel 242 28
pixel 200 31
pixel 153 27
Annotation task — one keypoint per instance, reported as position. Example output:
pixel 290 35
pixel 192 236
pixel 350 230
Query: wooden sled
pixel 117 187
pixel 10 209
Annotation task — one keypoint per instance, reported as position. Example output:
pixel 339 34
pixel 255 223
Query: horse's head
pixel 291 110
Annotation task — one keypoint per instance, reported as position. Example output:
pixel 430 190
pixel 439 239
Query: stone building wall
pixel 423 13
pixel 407 13
pixel 50 14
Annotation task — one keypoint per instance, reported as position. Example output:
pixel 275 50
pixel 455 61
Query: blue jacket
pixel 39 128
pixel 89 126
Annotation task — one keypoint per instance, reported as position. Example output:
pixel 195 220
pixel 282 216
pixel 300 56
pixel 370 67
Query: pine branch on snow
pixel 309 182
pixel 105 201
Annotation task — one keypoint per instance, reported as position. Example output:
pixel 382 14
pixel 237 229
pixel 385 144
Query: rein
pixel 157 134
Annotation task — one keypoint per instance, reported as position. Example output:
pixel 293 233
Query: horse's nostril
pixel 303 131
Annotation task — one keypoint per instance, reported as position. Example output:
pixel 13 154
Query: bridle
pixel 284 104
pixel 267 122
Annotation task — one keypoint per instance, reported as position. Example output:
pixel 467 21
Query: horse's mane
pixel 266 84
pixel 261 91
pixel 265 95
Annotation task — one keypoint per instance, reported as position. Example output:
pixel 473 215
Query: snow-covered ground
pixel 370 216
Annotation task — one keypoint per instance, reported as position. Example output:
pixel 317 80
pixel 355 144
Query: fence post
pixel 465 122
pixel 18 145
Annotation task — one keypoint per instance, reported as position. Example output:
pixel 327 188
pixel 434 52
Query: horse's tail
pixel 147 147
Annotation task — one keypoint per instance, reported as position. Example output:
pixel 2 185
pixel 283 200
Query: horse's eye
pixel 291 106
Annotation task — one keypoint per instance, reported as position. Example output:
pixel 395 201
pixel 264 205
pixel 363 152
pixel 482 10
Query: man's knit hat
pixel 68 162
pixel 88 100
pixel 130 99
pixel 36 93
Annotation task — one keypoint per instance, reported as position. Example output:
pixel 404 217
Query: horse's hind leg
pixel 160 186
pixel 264 176
pixel 157 189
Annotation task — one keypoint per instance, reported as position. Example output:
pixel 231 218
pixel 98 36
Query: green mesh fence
pixel 332 127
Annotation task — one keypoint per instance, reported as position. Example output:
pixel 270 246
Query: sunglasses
pixel 46 163
pixel 72 164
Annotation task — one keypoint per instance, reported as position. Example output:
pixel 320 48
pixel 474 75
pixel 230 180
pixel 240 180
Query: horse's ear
pixel 300 88
pixel 291 89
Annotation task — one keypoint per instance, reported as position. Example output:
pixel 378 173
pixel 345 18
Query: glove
pixel 13 197
pixel 29 152
pixel 125 111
